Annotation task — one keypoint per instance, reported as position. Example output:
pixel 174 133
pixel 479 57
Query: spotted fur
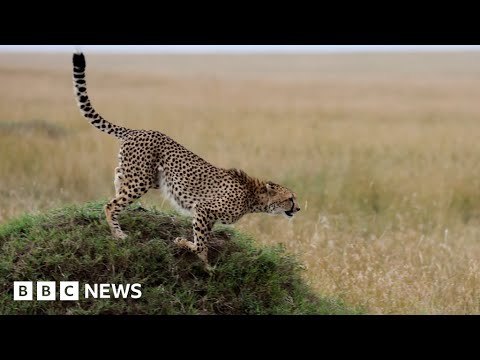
pixel 150 159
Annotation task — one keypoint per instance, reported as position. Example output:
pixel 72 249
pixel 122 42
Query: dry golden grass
pixel 383 151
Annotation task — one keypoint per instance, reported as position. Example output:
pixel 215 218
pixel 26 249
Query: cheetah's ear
pixel 270 190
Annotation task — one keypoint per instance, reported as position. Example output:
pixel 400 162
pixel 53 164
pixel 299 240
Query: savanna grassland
pixel 383 151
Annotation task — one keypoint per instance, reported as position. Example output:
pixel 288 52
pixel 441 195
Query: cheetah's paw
pixel 120 235
pixel 181 243
pixel 210 269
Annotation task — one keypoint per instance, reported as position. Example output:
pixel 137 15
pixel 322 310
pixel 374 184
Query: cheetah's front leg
pixel 202 226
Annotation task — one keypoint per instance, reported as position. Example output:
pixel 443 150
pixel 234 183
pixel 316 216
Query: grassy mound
pixel 74 244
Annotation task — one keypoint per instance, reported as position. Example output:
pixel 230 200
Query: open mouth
pixel 290 213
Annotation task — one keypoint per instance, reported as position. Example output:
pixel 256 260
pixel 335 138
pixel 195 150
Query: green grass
pixel 74 244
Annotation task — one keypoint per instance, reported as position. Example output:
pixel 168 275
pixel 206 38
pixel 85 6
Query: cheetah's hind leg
pixel 119 179
pixel 156 180
pixel 127 193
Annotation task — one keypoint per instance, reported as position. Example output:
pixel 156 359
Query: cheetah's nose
pixel 298 209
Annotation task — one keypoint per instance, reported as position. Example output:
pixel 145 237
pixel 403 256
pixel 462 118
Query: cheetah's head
pixel 281 201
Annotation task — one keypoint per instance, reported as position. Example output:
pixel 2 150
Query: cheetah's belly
pixel 169 194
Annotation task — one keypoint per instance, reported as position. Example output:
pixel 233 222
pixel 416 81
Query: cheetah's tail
pixel 83 102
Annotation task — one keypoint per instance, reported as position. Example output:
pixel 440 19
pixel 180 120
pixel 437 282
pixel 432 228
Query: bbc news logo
pixel 70 291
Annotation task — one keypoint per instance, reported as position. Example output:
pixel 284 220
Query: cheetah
pixel 149 159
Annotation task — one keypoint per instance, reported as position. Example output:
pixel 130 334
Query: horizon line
pixel 238 49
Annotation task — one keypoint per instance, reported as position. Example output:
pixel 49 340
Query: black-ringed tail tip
pixel 79 62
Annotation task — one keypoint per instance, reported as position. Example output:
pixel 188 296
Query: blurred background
pixel 381 144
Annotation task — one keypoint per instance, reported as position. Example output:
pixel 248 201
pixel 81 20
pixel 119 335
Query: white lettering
pixel 93 291
pixel 104 289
